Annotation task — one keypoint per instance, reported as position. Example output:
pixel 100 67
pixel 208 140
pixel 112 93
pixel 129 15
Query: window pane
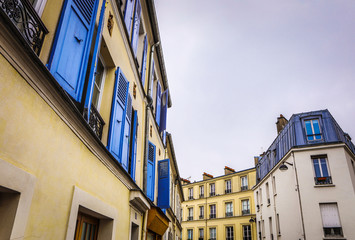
pixel 323 163
pixel 316 167
pixel 83 231
pixel 316 129
pixel 309 130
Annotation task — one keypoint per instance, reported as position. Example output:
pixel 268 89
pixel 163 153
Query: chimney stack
pixel 206 176
pixel 256 160
pixel 184 181
pixel 228 170
pixel 281 123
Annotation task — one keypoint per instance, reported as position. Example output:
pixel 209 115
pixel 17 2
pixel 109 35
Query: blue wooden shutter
pixel 70 53
pixel 95 57
pixel 164 110
pixel 134 144
pixel 151 171
pixel 128 15
pixel 136 25
pixel 117 120
pixel 126 134
pixel 158 104
pixel 144 61
pixel 152 78
pixel 164 183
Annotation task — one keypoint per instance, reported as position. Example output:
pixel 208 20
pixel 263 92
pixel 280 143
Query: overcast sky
pixel 234 66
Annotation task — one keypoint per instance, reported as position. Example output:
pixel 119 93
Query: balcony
pixel 25 19
pixel 246 212
pixel 191 198
pixel 201 217
pixel 323 180
pixel 244 188
pixel 229 214
pixel 202 195
pixel 228 191
pixel 212 216
pixel 95 122
pixel 212 194
pixel 189 218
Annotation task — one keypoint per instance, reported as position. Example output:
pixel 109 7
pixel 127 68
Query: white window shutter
pixel 330 215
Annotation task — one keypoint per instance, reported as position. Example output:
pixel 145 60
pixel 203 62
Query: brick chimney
pixel 281 123
pixel 228 170
pixel 256 160
pixel 206 176
pixel 184 181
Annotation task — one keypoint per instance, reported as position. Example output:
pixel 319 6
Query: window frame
pixel 244 183
pixel 102 86
pixel 212 187
pixel 202 191
pixel 190 234
pixel 202 212
pixel 313 134
pixel 331 228
pixel 191 193
pixel 247 210
pixel 228 185
pixel 321 179
pixel 214 231
pixel 213 211
pixel 249 237
pixel 229 209
pixel 229 233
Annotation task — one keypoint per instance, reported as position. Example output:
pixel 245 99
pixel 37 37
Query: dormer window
pixel 313 129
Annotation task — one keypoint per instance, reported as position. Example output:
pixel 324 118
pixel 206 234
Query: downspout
pixel 299 197
pixel 206 208
pixel 146 127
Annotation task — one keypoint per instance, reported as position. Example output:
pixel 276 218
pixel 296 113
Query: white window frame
pixel 39 5
pixel 202 190
pixel 229 207
pixel 212 187
pixel 230 233
pixel 312 127
pixel 191 193
pixel 228 186
pixel 213 233
pixel 102 83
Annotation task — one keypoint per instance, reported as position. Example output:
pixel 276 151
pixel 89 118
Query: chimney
pixel 228 170
pixel 281 123
pixel 256 160
pixel 206 176
pixel 184 181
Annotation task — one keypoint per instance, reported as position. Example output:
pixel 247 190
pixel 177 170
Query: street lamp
pixel 284 167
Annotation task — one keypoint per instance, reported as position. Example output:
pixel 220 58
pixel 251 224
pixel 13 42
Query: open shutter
pixel 151 171
pixel 70 53
pixel 126 134
pixel 117 120
pixel 152 78
pixel 136 25
pixel 158 104
pixel 128 15
pixel 95 56
pixel 144 61
pixel 133 154
pixel 164 183
pixel 164 110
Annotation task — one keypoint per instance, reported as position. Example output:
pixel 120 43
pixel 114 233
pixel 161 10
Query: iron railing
pixel 26 20
pixel 244 188
pixel 95 122
pixel 229 214
pixel 323 180
pixel 201 217
pixel 246 212
pixel 213 215
pixel 228 191
pixel 189 218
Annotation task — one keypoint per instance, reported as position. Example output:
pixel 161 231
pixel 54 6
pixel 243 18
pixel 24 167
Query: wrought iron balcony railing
pixel 212 194
pixel 201 216
pixel 323 180
pixel 95 122
pixel 213 215
pixel 228 190
pixel 246 212
pixel 244 188
pixel 22 14
pixel 229 214
pixel 191 197
pixel 189 218
pixel 202 195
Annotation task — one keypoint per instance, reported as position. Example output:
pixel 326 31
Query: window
pixel 213 234
pixel 321 171
pixel 229 233
pixel 189 234
pixel 245 207
pixel 133 145
pixel 99 84
pixel 259 224
pixel 38 5
pixel 263 228
pixel 244 183
pixel 313 130
pixel 228 186
pixel 151 171
pixel 86 227
pixel 257 201
pixel 132 18
pixel 267 193
pixel 229 209
pixel 200 234
pixel 191 193
pixel 246 232
pixel 191 214
pixel 202 212
pixel 278 224
pixel 331 222
pixel 202 191
pixel 213 211
pixel 212 189
pixel 270 228
pixel 274 184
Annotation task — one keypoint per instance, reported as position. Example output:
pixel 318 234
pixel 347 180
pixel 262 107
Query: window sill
pixel 334 238
pixel 324 185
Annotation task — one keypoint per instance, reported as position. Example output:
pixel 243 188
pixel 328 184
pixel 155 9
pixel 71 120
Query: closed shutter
pixel 330 215
pixel 128 15
pixel 158 104
pixel 136 25
pixel 70 53
pixel 164 183
pixel 95 57
pixel 134 145
pixel 144 61
pixel 117 120
pixel 126 133
pixel 151 171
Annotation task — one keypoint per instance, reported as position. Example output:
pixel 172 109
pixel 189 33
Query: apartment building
pixel 83 112
pixel 220 207
pixel 306 181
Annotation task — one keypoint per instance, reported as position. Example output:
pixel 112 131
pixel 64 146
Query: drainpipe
pixel 299 196
pixel 146 127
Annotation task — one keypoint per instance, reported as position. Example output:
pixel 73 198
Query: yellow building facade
pixel 84 96
pixel 220 207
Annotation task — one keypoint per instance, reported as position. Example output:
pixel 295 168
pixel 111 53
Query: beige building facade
pixel 220 207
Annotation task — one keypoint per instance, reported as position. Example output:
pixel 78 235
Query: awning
pixel 157 221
